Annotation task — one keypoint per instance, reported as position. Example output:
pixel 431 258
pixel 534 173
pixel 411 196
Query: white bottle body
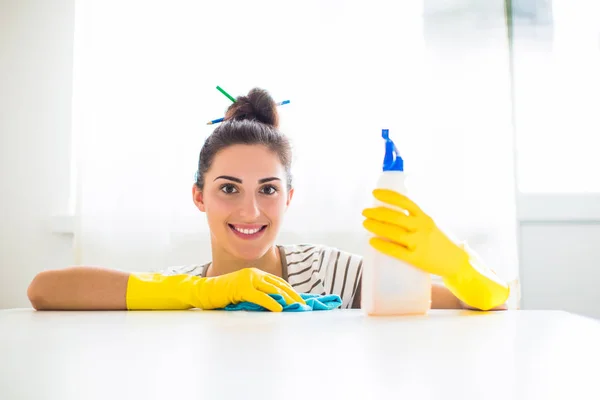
pixel 391 286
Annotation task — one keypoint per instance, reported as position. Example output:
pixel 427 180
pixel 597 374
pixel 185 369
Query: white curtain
pixel 436 75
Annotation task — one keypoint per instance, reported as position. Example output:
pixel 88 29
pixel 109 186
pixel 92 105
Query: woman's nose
pixel 249 208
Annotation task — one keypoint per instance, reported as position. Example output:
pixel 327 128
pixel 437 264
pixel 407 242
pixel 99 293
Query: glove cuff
pixel 148 291
pixel 477 285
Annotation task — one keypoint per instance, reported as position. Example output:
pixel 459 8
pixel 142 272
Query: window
pixel 557 95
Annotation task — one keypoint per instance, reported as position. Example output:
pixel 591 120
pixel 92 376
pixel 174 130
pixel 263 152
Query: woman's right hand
pixel 248 284
pixel 148 291
pixel 87 288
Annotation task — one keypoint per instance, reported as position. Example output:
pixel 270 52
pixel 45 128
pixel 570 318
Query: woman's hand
pixel 149 291
pixel 248 284
pixel 413 237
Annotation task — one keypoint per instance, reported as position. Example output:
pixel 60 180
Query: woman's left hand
pixel 413 237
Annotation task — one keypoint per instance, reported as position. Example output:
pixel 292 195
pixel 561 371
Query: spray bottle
pixel 391 286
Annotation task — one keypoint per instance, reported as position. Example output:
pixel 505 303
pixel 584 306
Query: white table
pixel 325 355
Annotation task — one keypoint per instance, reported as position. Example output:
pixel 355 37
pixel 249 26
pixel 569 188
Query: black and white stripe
pixel 323 270
pixel 310 269
pixel 196 270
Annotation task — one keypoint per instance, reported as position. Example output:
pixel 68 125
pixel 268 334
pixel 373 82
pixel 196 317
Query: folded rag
pixel 314 302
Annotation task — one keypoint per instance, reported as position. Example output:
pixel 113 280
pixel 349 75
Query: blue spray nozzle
pixel 392 160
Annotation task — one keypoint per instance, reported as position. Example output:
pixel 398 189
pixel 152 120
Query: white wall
pixel 36 41
pixel 560 256
pixel 559 267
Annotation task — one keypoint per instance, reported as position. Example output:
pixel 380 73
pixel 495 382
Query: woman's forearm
pixel 79 288
pixel 443 298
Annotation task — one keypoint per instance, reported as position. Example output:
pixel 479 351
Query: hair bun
pixel 258 105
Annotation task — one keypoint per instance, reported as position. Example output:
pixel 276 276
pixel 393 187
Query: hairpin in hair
pixel 218 120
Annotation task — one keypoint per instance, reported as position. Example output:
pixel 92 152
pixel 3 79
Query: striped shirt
pixel 310 268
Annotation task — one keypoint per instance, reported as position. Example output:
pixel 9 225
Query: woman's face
pixel 245 197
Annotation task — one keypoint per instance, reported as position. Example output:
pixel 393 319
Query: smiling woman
pixel 244 186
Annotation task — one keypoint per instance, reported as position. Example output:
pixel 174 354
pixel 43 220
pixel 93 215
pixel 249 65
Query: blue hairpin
pixel 216 121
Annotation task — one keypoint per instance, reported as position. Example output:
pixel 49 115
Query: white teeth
pixel 247 231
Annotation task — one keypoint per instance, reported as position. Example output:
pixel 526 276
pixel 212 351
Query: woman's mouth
pixel 248 232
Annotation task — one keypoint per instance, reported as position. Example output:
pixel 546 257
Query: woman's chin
pixel 251 253
pixel 250 247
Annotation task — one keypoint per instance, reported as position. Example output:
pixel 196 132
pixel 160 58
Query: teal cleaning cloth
pixel 314 302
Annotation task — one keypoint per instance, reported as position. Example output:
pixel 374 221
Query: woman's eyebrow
pixel 238 180
pixel 265 180
pixel 229 178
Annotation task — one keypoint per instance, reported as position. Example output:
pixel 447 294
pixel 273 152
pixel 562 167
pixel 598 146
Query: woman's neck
pixel 224 263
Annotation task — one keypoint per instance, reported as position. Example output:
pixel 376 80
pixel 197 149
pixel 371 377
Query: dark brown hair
pixel 252 119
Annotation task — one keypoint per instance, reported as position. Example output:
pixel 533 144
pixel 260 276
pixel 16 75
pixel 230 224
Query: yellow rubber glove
pixel 179 292
pixel 413 237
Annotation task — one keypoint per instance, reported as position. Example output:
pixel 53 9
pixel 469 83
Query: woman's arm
pixel 416 240
pixel 87 288
pixel 443 298
pixel 79 288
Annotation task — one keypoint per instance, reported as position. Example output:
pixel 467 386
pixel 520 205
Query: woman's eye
pixel 269 190
pixel 228 189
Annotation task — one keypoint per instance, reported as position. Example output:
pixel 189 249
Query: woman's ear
pixel 198 198
pixel 289 198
